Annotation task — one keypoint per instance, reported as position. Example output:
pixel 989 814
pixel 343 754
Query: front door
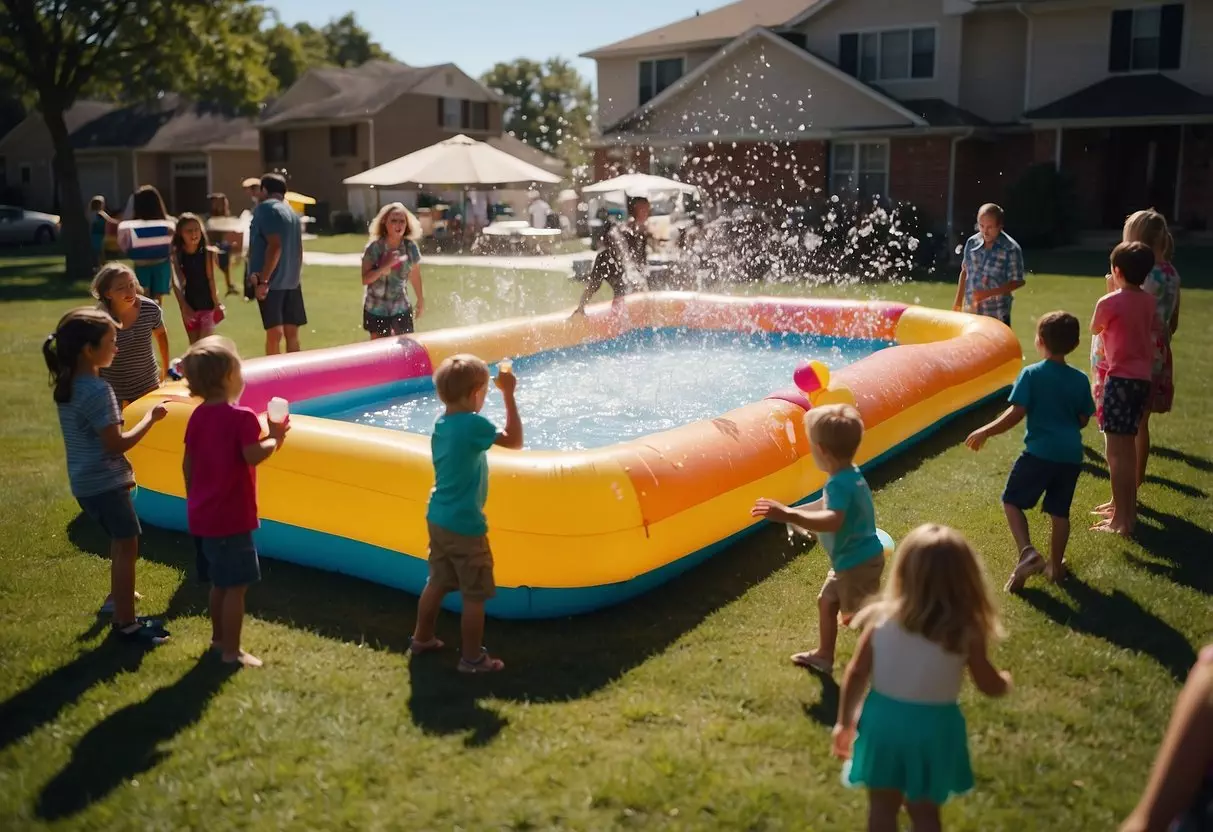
pixel 1140 169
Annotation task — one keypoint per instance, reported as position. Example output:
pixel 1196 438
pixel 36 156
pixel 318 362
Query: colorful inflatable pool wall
pixel 578 530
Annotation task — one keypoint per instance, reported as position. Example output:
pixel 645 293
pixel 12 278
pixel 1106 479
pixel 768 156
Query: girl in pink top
pixel 1149 227
pixel 1125 321
pixel 223 446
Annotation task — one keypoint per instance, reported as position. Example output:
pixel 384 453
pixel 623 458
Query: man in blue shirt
pixel 992 268
pixel 275 265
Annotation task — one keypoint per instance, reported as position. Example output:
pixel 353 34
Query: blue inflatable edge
pixel 407 571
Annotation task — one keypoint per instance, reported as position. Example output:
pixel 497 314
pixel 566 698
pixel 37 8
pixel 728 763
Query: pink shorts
pixel 200 319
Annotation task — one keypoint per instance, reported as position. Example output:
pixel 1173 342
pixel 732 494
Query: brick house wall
pixel 918 174
pixel 986 169
pixel 779 173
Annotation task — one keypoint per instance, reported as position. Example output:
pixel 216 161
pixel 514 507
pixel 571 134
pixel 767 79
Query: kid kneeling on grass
pixel 845 521
pixel 1056 399
pixel 223 446
pixel 460 557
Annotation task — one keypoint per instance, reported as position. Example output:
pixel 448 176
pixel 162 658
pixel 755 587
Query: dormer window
pixel 656 75
pixel 888 55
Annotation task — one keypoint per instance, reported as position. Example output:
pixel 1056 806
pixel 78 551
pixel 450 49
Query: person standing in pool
pixel 627 247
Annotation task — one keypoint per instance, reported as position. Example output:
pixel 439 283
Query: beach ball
pixel 812 376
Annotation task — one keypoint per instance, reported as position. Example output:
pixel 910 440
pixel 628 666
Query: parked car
pixel 17 225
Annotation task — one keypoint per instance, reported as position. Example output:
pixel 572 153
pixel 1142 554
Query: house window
pixel 655 76
pixel 890 55
pixel 478 115
pixel 859 169
pixel 451 111
pixel 343 140
pixel 277 148
pixel 26 173
pixel 1147 39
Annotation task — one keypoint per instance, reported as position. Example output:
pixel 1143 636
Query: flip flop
pixel 810 662
pixel 418 647
pixel 145 635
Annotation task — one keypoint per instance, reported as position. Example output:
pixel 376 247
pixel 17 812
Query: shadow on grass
pixel 825 710
pixel 548 661
pixel 1118 619
pixel 38 278
pixel 1200 463
pixel 1185 549
pixel 126 743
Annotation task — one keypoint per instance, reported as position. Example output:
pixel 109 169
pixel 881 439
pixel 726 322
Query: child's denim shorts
pixel 226 562
pixel 115 511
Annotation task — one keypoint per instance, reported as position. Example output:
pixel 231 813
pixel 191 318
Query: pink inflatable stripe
pixel 792 395
pixel 309 375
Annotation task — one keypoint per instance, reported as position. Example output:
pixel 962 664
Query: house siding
pixel 312 170
pixel 993 65
pixel 231 167
pixel 1069 50
pixel 619 80
pixel 29 144
pixel 823 29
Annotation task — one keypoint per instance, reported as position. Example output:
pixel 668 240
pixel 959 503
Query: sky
pixel 475 34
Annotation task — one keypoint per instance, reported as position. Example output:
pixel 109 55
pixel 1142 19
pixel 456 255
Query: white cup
pixel 505 365
pixel 278 409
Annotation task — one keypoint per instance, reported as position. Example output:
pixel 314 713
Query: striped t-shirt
pixel 91 469
pixel 134 372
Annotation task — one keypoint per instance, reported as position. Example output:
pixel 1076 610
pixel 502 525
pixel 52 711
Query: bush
pixel 1041 207
pixel 343 222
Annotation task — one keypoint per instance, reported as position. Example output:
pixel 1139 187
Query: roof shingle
pixel 167 124
pixel 1126 96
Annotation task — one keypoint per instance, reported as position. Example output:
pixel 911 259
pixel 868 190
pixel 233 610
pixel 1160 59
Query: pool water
pixel 647 381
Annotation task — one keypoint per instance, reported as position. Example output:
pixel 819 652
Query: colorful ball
pixel 812 376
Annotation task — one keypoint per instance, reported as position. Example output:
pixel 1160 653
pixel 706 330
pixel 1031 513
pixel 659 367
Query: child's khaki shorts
pixel 850 588
pixel 461 563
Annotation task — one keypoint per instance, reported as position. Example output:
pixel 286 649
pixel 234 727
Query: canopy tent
pixel 456 161
pixel 639 184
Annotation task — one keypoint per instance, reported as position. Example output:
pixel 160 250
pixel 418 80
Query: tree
pixel 342 42
pixel 59 51
pixel 549 105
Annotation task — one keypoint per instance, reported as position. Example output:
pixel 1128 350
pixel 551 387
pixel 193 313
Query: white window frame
pixel 879 33
pixel 682 59
pixel 858 169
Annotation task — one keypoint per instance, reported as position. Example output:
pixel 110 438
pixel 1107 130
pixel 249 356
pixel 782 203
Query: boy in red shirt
pixel 1125 320
pixel 223 446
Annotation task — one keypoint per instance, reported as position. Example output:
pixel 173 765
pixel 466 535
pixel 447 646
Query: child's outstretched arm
pixel 117 441
pixel 854 684
pixel 989 680
pixel 1010 417
pixel 511 437
pixel 815 516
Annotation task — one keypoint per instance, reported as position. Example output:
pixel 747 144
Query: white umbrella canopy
pixel 639 184
pixel 456 161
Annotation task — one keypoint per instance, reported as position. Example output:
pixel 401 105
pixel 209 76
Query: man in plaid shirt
pixel 992 268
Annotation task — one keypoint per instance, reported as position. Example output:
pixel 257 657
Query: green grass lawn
pixel 678 710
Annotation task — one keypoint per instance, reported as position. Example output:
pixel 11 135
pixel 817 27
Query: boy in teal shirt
pixel 1056 399
pixel 845 522
pixel 460 557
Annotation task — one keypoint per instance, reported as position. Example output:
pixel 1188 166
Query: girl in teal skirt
pixel 935 618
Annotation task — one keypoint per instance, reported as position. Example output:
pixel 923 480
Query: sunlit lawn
pixel 355 243
pixel 678 710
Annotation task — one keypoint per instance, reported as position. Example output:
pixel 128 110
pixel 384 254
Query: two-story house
pixel 942 103
pixel 336 122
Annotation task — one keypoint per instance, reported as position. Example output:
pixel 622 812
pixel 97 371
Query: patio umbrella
pixel 639 184
pixel 456 161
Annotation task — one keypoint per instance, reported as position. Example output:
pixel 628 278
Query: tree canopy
pixel 341 42
pixel 550 105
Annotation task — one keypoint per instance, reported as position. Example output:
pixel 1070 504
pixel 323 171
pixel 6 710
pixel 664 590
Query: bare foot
pixel 1106 510
pixel 243 659
pixel 1056 574
pixel 1111 526
pixel 419 647
pixel 815 660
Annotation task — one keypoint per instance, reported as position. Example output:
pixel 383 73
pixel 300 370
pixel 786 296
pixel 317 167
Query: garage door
pixel 99 177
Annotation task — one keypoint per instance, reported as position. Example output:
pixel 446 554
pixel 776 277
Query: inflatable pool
pixel 579 529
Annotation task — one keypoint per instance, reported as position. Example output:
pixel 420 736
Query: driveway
pixel 547 262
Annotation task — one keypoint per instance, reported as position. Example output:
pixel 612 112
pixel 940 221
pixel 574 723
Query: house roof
pixel 78 114
pixel 357 92
pixel 1126 96
pixel 722 24
pixel 636 117
pixel 167 124
pixel 939 113
pixel 521 150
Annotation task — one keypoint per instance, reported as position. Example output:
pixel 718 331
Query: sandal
pixel 418 647
pixel 484 664
pixel 810 662
pixel 1030 563
pixel 144 634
